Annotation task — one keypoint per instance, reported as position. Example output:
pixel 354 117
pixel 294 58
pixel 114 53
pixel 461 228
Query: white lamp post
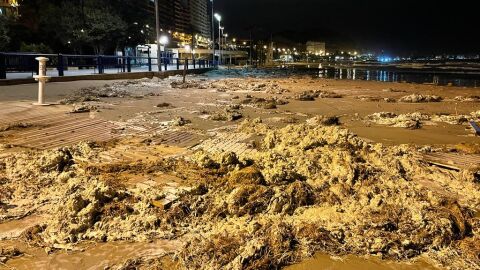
pixel 219 19
pixel 157 24
pixel 162 41
pixel 213 37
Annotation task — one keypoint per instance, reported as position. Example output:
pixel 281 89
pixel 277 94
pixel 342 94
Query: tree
pixel 93 24
pixel 81 26
pixel 4 38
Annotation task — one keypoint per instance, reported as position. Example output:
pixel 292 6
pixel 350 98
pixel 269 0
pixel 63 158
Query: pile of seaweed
pixel 309 188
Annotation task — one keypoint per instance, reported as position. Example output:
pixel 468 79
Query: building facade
pixel 317 48
pixel 185 21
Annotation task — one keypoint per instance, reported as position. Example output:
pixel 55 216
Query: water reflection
pixel 394 76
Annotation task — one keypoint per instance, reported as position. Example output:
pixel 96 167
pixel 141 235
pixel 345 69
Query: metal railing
pixel 25 62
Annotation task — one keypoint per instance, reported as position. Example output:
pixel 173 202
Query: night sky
pixel 401 27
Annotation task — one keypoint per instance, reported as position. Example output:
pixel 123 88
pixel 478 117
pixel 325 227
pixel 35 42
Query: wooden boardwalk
pixel 51 127
pixel 454 161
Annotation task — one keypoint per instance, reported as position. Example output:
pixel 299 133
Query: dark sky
pixel 401 27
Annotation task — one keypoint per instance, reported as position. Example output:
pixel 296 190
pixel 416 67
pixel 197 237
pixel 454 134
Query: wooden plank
pixel 453 161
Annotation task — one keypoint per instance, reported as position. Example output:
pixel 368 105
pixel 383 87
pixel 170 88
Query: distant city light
pixel 384 59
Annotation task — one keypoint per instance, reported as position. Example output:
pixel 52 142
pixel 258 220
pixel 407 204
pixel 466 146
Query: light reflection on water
pixel 397 76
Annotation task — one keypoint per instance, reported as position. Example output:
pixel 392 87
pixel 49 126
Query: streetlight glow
pixel 218 17
pixel 163 40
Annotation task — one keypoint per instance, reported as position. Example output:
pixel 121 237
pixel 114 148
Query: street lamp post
pixel 222 45
pixel 163 41
pixel 219 19
pixel 213 37
pixel 157 18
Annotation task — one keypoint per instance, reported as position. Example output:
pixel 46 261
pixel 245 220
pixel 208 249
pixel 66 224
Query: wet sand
pixel 198 105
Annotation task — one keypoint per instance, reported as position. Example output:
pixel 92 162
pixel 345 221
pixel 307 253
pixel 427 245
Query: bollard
pixel 129 65
pixel 149 63
pixel 185 67
pixel 178 64
pixel 100 64
pixel 42 78
pixel 60 65
pixel 3 66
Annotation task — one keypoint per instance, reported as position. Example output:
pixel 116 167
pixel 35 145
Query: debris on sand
pixel 36 176
pixel 8 253
pixel 324 120
pixel 253 126
pixel 265 103
pixel 251 85
pixel 368 98
pixel 95 93
pixel 308 188
pixel 186 85
pixel 451 119
pixel 418 98
pixel 308 192
pixel 409 120
pixel 393 90
pixel 180 121
pixel 469 148
pixel 92 210
pixel 389 100
pixel 83 108
pixel 163 105
pixel 475 114
pixel 15 126
pixel 227 115
pixel 467 98
pixel 417 120
pixel 375 99
pixel 314 94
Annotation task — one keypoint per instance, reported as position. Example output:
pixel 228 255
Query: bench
pixel 475 127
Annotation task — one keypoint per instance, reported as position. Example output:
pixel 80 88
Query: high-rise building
pixel 200 17
pixel 186 21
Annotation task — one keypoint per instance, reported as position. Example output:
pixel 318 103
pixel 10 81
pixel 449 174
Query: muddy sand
pixel 278 173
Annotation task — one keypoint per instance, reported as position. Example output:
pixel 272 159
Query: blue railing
pixel 25 62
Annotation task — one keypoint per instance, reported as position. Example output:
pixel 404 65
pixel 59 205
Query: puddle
pixel 13 229
pixel 325 262
pixel 97 256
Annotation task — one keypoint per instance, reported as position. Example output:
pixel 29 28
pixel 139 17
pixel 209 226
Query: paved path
pixel 78 72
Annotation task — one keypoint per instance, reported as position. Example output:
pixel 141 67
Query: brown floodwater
pixel 93 257
pixel 326 262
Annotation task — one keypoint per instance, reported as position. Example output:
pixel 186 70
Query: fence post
pixel 60 65
pixel 129 65
pixel 149 64
pixel 100 64
pixel 3 66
